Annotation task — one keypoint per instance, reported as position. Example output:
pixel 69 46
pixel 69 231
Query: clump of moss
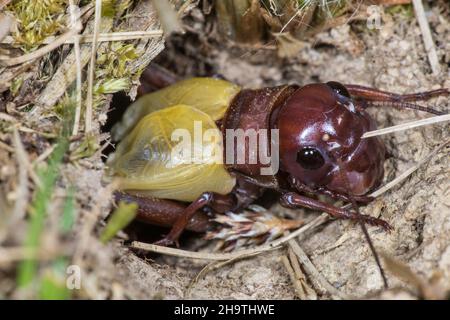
pixel 36 20
pixel 405 10
pixel 112 73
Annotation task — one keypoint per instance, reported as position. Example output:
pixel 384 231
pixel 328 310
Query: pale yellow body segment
pixel 212 96
pixel 147 160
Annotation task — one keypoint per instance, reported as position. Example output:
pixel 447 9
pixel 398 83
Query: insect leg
pixel 301 187
pixel 334 195
pixel 245 192
pixel 154 78
pixel 164 213
pixel 375 97
pixel 294 200
pixel 215 201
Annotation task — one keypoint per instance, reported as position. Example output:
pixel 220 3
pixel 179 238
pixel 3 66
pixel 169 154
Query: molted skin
pixel 316 116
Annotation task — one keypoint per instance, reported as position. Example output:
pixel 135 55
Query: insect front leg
pixel 245 192
pixel 219 203
pixel 301 187
pixel 335 195
pixel 294 200
pixel 375 97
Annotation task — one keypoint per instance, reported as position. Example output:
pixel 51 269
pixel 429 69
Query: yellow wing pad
pixel 159 158
pixel 209 95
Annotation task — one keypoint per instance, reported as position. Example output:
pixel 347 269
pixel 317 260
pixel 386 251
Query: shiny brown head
pixel 320 130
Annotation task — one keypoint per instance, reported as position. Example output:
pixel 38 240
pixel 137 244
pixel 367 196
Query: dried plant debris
pixel 48 205
pixel 253 21
pixel 254 226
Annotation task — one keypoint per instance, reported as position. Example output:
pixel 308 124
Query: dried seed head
pixel 254 226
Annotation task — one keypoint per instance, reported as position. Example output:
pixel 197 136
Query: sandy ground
pixel 392 58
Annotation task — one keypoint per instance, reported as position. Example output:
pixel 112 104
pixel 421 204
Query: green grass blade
pixel 28 268
pixel 120 218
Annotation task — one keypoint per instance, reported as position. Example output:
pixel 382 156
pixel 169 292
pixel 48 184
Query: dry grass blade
pixel 122 36
pixel 4 3
pixel 298 279
pixel 5 25
pixel 75 21
pixel 89 99
pixel 44 155
pixel 102 37
pixel 22 193
pixel 200 255
pixel 427 37
pixel 408 125
pixel 314 274
pixel 297 12
pixel 22 188
pixel 295 281
pixel 6 147
pixel 8 61
pixel 309 292
pixel 209 267
pixel 276 244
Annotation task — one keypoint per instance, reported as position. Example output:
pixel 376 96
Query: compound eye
pixel 338 88
pixel 310 158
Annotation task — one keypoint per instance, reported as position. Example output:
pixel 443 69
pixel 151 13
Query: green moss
pixel 113 61
pixel 39 19
pixel 16 84
pixel 112 85
pixel 108 8
pixel 85 149
pixel 60 110
pixel 36 20
pixel 112 71
pixel 405 10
